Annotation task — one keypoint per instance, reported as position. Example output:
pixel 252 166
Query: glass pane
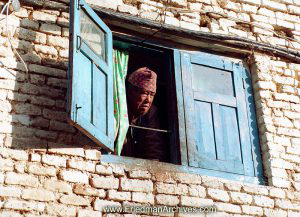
pixel 212 80
pixel 92 35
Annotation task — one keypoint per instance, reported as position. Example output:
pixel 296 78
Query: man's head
pixel 141 90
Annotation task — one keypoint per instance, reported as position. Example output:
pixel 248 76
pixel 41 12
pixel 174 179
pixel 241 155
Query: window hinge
pixel 79 42
pixel 76 111
pixel 80 3
pixel 244 83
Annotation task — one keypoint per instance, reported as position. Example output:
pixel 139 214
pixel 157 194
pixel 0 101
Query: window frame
pixel 181 138
pixel 101 133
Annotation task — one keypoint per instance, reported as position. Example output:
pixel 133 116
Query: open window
pixel 204 100
pixel 90 98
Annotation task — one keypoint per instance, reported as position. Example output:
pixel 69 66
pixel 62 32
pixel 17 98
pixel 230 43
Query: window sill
pixel 154 166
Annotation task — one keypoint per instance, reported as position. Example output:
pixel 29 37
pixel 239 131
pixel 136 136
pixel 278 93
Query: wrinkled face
pixel 140 101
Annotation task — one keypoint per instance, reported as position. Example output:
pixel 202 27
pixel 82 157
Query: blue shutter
pixel 217 126
pixel 90 96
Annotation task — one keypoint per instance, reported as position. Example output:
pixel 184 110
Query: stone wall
pixel 48 168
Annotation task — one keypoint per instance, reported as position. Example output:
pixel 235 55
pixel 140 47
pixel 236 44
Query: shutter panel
pixel 216 114
pixel 90 96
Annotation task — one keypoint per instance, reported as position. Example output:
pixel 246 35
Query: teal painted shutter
pixel 218 135
pixel 90 100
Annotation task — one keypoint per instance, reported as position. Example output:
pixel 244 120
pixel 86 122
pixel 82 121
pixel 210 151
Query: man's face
pixel 141 101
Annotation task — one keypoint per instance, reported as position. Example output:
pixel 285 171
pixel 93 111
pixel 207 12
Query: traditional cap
pixel 143 78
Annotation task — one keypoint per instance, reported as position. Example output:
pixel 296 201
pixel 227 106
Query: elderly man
pixel 143 143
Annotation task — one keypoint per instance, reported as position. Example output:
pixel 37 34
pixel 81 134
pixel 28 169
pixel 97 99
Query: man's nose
pixel 148 97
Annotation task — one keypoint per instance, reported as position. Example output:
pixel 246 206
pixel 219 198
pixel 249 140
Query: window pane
pixel 212 80
pixel 92 35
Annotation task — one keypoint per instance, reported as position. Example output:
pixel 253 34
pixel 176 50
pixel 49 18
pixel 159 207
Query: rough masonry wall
pixel 48 168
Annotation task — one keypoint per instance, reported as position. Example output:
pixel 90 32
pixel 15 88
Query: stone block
pixel 266 12
pixel 99 204
pixel 63 22
pixel 104 169
pixel 240 198
pixel 57 186
pixel 21 179
pixel 22 13
pixel 254 189
pixel 47 71
pixel 212 182
pixel 27 109
pixel 252 210
pixel 165 188
pixel 29 24
pixel 226 207
pixel 20 167
pixel 7 191
pixel 37 79
pixel 65 32
pixel 58 41
pixel 51 29
pixel 39 122
pixel 274 5
pixel 45 49
pixel 265 85
pixel 56 148
pixel 93 154
pixel 128 9
pixel 185 178
pixel 105 182
pixel 168 200
pixel 9 214
pixel 190 26
pixel 293 9
pixel 81 165
pixel 233 186
pixel 38 169
pixel 54 160
pixel 118 169
pixel 197 191
pixel 195 202
pixel 18 155
pixel 61 83
pixel 55 209
pixel 274 212
pixel 24 205
pixel 106 3
pixel 118 195
pixel 263 201
pixel 74 200
pixel 142 197
pixel 74 176
pixel 40 100
pixel 46 134
pixel 139 174
pixel 218 195
pixel 38 194
pixel 30 35
pixel 1 179
pixel 60 126
pixel 64 53
pixel 41 16
pixel 88 191
pixel 88 213
pixel 136 185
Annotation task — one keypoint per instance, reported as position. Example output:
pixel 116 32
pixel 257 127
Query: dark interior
pixel 158 61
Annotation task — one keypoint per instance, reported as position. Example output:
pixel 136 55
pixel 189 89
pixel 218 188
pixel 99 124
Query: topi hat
pixel 143 78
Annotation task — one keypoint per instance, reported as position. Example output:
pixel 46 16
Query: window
pixel 208 99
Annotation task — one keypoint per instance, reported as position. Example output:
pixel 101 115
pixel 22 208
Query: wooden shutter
pixel 90 96
pixel 216 114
